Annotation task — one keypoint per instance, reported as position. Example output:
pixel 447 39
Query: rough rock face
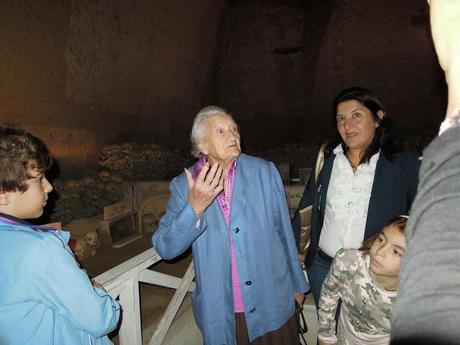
pixel 85 197
pixel 82 73
pixel 286 61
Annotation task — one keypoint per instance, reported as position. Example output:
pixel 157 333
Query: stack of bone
pixel 120 165
pixel 143 162
pixel 86 197
pixel 125 163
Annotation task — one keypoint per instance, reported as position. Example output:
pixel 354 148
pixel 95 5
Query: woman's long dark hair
pixel 385 139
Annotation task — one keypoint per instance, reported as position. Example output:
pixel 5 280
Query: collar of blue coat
pixel 11 219
pixel 243 179
pixel 8 222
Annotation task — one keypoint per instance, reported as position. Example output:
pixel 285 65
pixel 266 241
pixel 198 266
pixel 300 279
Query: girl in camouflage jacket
pixel 367 281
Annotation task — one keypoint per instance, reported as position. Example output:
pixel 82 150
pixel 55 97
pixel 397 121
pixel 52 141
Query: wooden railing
pixel 123 281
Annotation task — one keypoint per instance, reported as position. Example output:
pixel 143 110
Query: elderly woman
pixel 231 208
pixel 366 180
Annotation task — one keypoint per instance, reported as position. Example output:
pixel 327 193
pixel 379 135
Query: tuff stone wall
pixel 284 63
pixel 81 74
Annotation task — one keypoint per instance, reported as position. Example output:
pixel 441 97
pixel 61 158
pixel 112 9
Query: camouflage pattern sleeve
pixel 330 295
pixel 366 309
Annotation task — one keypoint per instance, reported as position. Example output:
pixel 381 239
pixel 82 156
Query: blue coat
pixel 267 259
pixel 393 190
pixel 45 298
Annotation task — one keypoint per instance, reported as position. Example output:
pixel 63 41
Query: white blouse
pixel 347 204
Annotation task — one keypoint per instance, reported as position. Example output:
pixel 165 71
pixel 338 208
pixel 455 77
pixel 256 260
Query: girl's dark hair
pixel 385 139
pixel 398 221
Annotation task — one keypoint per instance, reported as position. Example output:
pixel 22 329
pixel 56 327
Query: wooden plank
pixel 130 330
pixel 123 271
pixel 161 279
pixel 173 307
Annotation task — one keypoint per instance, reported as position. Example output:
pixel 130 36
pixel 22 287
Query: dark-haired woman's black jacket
pixel 393 190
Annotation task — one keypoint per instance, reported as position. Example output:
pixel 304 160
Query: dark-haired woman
pixel 366 179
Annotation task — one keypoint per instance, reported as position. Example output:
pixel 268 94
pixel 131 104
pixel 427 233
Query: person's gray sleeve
pixel 428 304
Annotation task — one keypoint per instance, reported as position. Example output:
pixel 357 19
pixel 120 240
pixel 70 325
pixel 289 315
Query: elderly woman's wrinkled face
pixel 356 124
pixel 221 141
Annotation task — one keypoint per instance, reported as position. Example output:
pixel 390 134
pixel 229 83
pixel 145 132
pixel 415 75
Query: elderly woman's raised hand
pixel 203 190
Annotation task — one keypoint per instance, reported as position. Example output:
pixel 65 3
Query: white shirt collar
pixel 338 151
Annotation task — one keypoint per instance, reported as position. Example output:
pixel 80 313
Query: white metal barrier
pixel 123 280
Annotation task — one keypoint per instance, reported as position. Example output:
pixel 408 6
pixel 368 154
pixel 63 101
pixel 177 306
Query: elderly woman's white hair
pixel 197 133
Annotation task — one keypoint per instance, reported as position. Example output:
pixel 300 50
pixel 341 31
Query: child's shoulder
pixel 28 238
pixel 20 232
pixel 349 253
pixel 348 257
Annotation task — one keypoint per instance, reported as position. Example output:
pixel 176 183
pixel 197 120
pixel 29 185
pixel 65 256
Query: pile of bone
pixel 296 156
pixel 143 162
pixel 86 197
pixel 85 240
pixel 85 246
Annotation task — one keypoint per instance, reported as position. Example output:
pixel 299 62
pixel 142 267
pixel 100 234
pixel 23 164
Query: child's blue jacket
pixel 45 298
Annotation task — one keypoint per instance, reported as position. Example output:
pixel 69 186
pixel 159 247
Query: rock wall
pixel 84 74
pixel 386 46
pixel 261 71
pixel 81 74
pixel 285 62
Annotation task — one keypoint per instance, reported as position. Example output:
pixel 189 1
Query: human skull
pixel 105 175
pixel 148 222
pixel 92 238
pixel 92 194
pixel 110 187
pixel 87 181
pixel 80 248
pixel 92 250
pixel 116 178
